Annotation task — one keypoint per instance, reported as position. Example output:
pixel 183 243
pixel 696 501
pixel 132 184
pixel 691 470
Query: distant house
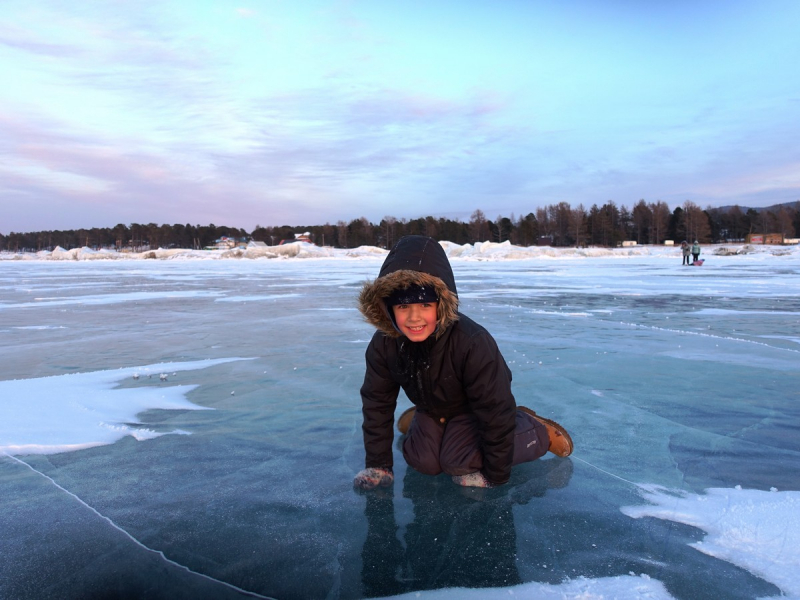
pixel 765 238
pixel 299 237
pixel 223 243
pixel 545 240
pixel 227 243
pixel 256 244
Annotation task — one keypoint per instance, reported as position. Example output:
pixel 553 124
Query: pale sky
pixel 295 112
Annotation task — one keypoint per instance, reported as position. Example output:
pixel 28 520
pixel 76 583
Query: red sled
pixel 698 263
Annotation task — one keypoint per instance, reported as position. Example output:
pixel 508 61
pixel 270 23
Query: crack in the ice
pixel 730 338
pixel 637 485
pixel 133 539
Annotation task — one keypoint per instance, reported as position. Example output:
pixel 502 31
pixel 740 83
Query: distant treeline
pixel 556 225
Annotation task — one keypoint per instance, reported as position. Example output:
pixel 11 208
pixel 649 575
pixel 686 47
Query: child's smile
pixel 416 321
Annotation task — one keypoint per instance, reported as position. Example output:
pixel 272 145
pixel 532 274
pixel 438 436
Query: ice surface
pixel 678 385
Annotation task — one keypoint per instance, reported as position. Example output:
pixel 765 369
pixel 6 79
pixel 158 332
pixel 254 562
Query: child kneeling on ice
pixel 465 421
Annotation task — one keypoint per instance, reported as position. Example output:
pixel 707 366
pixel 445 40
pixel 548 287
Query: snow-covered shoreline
pixel 477 251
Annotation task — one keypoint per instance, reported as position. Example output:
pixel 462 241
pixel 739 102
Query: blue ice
pixel 231 476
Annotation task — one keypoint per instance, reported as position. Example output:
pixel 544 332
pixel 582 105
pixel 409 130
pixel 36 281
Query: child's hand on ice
pixel 475 479
pixel 373 477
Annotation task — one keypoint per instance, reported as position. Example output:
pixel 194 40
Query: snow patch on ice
pixel 83 410
pixel 756 530
pixel 624 586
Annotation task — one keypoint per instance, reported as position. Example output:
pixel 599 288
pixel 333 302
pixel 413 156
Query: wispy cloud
pixel 17 39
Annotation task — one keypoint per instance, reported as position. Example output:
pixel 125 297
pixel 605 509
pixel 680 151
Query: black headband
pixel 413 294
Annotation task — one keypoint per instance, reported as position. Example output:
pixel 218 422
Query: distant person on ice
pixel 686 250
pixel 695 251
pixel 465 421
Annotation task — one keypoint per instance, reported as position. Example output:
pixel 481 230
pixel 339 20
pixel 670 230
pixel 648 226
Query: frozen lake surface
pixel 191 428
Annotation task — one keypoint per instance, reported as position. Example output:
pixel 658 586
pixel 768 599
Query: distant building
pixel 227 243
pixel 545 240
pixel 764 238
pixel 256 244
pixel 628 243
pixel 299 237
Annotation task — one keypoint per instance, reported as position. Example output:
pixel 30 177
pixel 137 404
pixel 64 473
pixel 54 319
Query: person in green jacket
pixel 695 251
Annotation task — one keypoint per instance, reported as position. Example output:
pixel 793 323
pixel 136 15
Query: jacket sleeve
pixel 378 402
pixel 487 384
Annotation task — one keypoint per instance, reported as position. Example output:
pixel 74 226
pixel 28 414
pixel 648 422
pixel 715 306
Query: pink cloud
pixel 20 39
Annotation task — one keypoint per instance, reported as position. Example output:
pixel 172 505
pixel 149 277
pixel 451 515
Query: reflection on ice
pixel 466 541
pixel 459 537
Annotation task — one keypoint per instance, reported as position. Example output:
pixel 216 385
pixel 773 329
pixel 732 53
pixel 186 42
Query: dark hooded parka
pixel 457 370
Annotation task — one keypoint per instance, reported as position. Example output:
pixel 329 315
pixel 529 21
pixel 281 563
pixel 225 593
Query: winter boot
pixel 560 442
pixel 404 422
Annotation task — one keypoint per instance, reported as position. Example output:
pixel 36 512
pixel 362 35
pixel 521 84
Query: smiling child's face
pixel 416 321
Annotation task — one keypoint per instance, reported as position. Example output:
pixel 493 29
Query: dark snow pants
pixel 454 448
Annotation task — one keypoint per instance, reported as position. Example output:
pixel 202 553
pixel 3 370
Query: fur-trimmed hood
pixel 415 259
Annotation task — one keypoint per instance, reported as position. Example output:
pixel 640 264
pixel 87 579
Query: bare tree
pixel 694 223
pixel 543 219
pixel 341 228
pixel 578 224
pixel 735 223
pixel 328 234
pixel 431 227
pixel 387 225
pixel 784 222
pixel 641 217
pixel 560 221
pixel 478 226
pixel 660 221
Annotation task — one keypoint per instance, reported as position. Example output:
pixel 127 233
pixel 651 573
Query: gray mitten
pixel 373 477
pixel 475 479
